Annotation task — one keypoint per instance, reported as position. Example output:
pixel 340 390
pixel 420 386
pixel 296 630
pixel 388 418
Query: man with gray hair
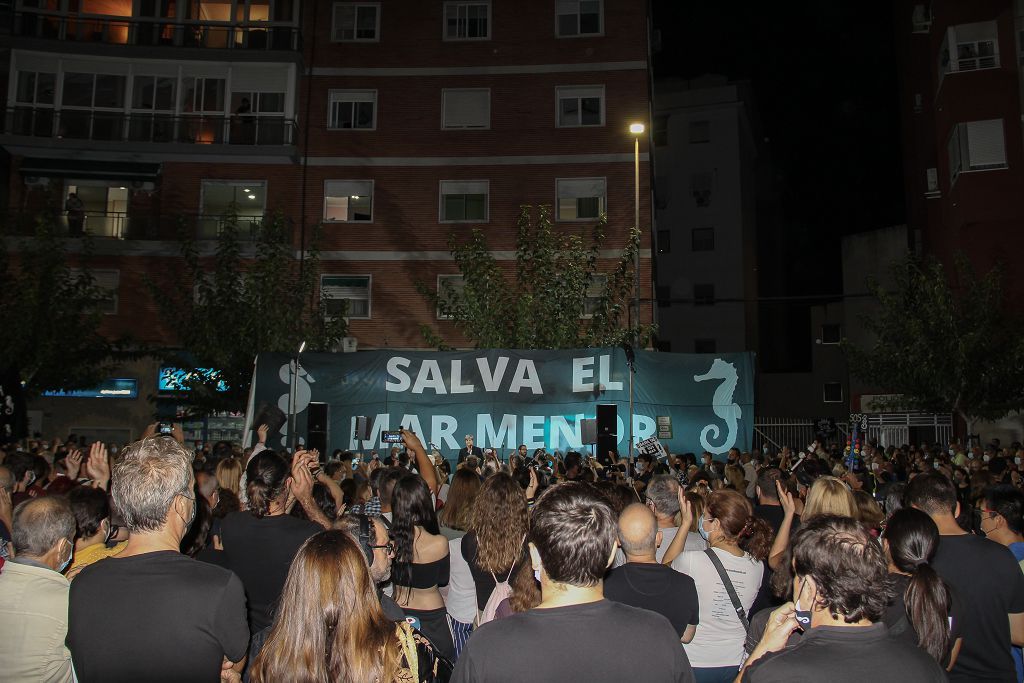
pixel 34 596
pixel 151 613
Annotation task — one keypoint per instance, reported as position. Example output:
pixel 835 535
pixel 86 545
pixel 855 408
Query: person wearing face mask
pixel 34 596
pixel 92 517
pixel 728 575
pixel 838 569
pixel 151 613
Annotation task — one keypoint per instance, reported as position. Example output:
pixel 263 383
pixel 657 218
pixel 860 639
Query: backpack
pixel 502 591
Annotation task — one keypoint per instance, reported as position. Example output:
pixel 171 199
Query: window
pixel 449 289
pixel 659 134
pixel 663 293
pixel 664 241
pixel 969 47
pixel 580 198
pixel 595 293
pixel 94 106
pixel 700 131
pixel 831 333
pixel 202 95
pixel 665 346
pixel 466 108
pixel 352 109
pixel 348 294
pixel 976 146
pixel 578 18
pixel 153 93
pixel 704 346
pixel 701 185
pixel 703 295
pixel 467 20
pixel 464 200
pixel 355 21
pixel 36 88
pixel 703 239
pixel 580 106
pixel 245 199
pixel 348 201
pixel 107 283
pixel 832 392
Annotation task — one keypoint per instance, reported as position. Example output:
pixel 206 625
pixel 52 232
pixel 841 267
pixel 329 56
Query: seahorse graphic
pixel 303 395
pixel 722 404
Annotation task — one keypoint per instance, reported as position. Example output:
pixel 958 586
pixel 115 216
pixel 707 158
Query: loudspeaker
pixel 362 431
pixel 606 414
pixel 588 430
pixel 607 431
pixel 316 428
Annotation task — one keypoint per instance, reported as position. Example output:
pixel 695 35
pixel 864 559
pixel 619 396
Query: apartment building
pixel 706 242
pixel 391 124
pixel 961 94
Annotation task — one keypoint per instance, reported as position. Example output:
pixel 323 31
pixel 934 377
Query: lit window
pixel 581 198
pixel 348 201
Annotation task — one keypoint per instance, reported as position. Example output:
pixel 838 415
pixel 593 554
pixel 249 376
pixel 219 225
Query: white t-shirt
pixel 667 535
pixel 720 634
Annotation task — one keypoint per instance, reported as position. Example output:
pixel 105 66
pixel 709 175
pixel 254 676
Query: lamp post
pixel 291 398
pixel 637 129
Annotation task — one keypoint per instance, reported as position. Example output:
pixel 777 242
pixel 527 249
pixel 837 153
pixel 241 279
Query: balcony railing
pixel 141 226
pixel 156 32
pixel 114 126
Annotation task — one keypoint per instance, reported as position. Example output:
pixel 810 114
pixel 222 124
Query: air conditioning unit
pixel 142 185
pixel 918 103
pixel 36 181
pixel 921 19
pixel 932 183
pixel 349 344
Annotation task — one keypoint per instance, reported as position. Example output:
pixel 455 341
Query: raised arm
pixel 685 520
pixel 423 463
pixel 781 543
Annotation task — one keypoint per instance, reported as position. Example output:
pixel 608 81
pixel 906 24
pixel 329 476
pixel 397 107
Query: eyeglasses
pixel 389 546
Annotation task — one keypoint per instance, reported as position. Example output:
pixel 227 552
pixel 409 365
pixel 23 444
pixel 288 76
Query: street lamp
pixel 637 129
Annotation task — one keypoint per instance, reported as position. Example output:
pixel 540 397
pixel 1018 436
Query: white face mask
pixel 1016 461
pixel 986 457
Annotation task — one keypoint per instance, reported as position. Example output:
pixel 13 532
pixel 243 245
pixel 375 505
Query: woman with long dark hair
pixel 421 565
pixel 330 627
pixel 260 542
pixel 922 604
pixel 740 543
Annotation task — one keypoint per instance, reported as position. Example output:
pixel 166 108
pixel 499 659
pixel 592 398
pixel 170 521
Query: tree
pixel 945 346
pixel 553 299
pixel 252 300
pixel 52 313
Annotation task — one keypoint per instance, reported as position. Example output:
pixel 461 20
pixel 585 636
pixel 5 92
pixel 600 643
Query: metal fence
pixel 888 429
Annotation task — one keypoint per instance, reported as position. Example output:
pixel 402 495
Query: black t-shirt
pixel 157 617
pixel 466 452
pixel 260 551
pixel 655 587
pixel 774 514
pixel 990 584
pixel 597 641
pixel 841 654
pixel 483 579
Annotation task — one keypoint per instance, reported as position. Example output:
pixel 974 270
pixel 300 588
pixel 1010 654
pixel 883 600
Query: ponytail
pixel 912 539
pixel 265 479
pixel 756 538
pixel 928 602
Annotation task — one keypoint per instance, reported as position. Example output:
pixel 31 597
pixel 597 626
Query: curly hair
pixel 849 569
pixel 500 520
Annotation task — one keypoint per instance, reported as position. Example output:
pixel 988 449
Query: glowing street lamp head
pixel 636 128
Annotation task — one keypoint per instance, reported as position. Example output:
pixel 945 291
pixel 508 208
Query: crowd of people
pixel 158 562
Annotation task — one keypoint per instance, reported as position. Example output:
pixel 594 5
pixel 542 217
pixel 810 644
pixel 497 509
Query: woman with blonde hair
pixel 330 625
pixel 735 478
pixel 229 473
pixel 827 496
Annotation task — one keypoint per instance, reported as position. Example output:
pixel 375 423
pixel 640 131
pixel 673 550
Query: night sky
pixel 825 82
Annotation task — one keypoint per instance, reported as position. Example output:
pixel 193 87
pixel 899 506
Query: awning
pixel 88 169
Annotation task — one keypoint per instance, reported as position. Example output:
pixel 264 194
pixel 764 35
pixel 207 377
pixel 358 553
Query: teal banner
pixel 691 402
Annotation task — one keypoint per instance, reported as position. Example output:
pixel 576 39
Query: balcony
pixel 146 226
pixel 115 126
pixel 106 30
